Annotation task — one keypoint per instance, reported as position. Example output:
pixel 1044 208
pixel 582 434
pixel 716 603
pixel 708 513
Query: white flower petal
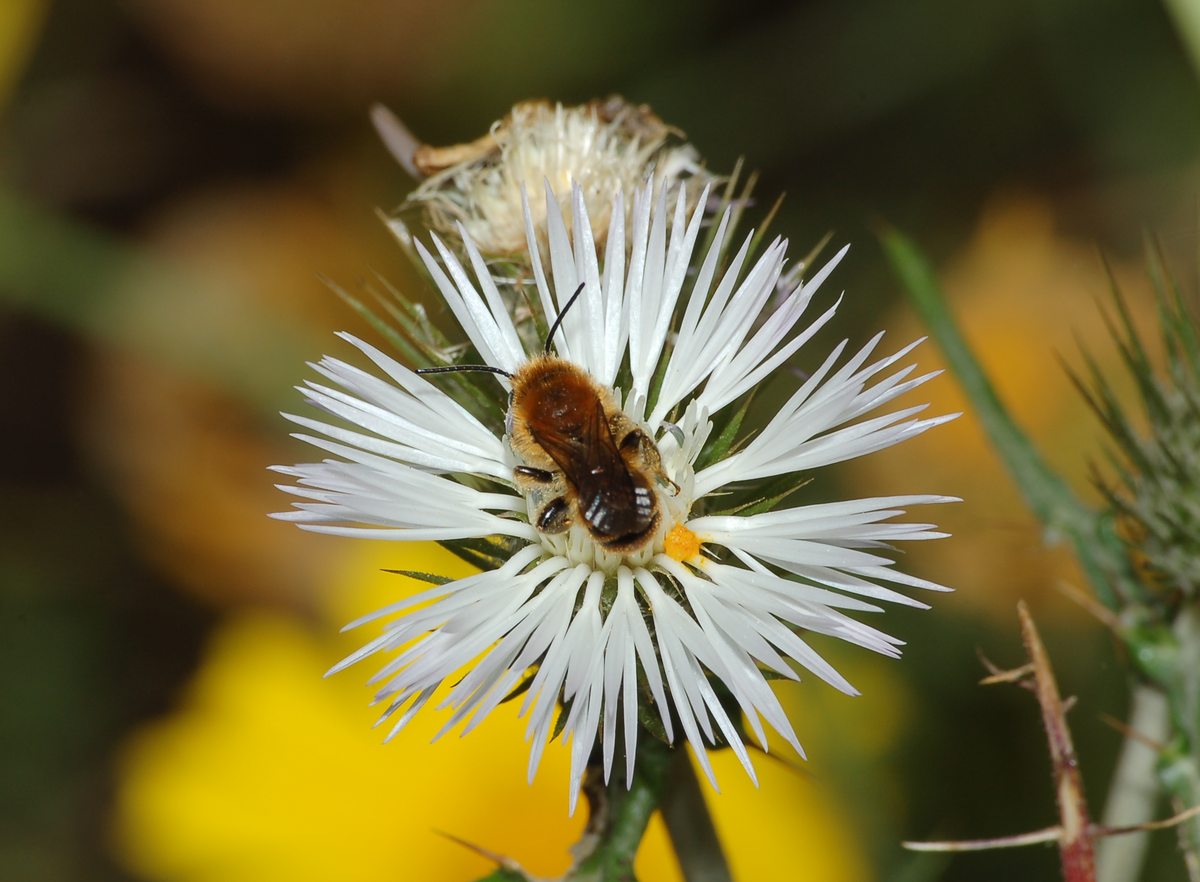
pixel 566 279
pixel 477 322
pixel 811 428
pixel 495 303
pixel 721 329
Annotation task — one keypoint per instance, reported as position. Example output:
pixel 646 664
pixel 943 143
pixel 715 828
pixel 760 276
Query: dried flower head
pixel 605 147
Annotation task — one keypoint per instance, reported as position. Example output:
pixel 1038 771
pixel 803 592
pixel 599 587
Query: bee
pixel 583 460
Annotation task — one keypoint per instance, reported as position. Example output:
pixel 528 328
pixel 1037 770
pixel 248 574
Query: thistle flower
pixel 605 147
pixel 681 629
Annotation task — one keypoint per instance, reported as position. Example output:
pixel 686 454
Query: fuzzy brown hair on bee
pixel 583 461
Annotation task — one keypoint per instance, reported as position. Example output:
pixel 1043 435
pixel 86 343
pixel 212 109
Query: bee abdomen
pixel 618 525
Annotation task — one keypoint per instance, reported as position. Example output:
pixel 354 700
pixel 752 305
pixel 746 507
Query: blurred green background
pixel 174 177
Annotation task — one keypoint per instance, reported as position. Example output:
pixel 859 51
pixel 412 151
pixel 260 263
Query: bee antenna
pixel 465 368
pixel 558 320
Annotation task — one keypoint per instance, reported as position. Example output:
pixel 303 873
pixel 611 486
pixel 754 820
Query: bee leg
pixel 555 517
pixel 633 441
pixel 536 483
pixel 639 443
pixel 664 481
pixel 537 476
pixel 546 491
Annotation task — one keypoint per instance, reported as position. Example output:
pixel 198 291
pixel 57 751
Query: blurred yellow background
pixel 176 175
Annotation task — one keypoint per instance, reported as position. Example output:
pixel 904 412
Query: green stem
pixel 616 823
pixel 619 816
pixel 690 826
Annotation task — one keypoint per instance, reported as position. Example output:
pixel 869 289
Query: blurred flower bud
pixel 605 146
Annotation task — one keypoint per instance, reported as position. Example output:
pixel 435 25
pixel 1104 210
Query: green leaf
pixel 727 197
pixel 651 721
pixel 771 674
pixel 419 344
pixel 1179 330
pixel 540 328
pixel 774 492
pixel 428 578
pixel 739 206
pixel 522 687
pixel 476 552
pixel 389 333
pixel 718 449
pixel 1129 345
pixel 768 503
pixel 414 320
pixel 560 723
pixel 1098 396
pixel 761 233
pixel 809 259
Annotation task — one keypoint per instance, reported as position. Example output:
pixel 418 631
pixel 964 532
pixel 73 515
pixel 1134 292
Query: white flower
pixel 728 595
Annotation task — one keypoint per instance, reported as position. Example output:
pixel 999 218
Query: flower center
pixel 579 546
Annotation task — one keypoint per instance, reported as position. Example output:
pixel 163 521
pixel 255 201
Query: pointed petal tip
pixel 336 669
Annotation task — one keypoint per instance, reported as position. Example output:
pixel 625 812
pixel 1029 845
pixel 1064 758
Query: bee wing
pixel 575 451
pixel 610 500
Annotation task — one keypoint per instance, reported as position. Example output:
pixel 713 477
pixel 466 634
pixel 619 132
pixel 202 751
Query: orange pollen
pixel 681 543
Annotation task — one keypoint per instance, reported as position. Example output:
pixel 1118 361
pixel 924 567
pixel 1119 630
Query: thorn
pixel 499 860
pixel 1128 732
pixel 787 763
pixel 1090 604
pixel 1037 837
pixel 1173 821
pixel 997 674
